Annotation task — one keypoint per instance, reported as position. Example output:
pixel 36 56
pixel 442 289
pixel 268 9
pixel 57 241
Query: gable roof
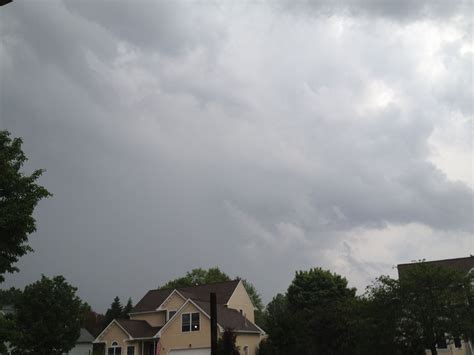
pixel 84 337
pixel 230 318
pixel 461 264
pixel 138 328
pixel 154 298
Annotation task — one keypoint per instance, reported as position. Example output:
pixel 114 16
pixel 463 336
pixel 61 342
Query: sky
pixel 260 137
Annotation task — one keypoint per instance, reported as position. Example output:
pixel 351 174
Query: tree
pixel 114 312
pixel 19 195
pixel 313 317
pixel 435 305
pixel 127 309
pixel 278 325
pixel 198 276
pixel 226 343
pixel 48 317
pixel 376 317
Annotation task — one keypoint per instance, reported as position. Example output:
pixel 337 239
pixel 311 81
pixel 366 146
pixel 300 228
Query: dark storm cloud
pixel 402 10
pixel 176 136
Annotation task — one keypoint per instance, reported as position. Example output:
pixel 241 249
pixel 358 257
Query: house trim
pixel 107 327
pixel 160 308
pixel 189 300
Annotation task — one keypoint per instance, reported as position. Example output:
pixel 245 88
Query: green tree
pixel 321 302
pixel 198 276
pixel 278 325
pixel 375 318
pixel 48 317
pixel 435 304
pixel 114 312
pixel 226 343
pixel 127 309
pixel 19 195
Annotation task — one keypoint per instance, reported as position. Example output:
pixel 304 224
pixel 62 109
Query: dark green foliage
pixel 320 304
pixel 198 276
pixel 114 312
pixel 10 296
pixel 313 317
pixel 48 317
pixel 435 301
pixel 19 195
pixel 226 343
pixel 127 309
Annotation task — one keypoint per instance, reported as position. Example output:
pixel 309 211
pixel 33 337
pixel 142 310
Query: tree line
pixel 318 314
pixel 426 308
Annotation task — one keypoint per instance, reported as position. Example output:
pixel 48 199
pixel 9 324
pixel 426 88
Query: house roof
pixel 138 328
pixel 154 298
pixel 461 264
pixel 229 318
pixel 85 337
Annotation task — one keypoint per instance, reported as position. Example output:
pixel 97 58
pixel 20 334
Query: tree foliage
pixel 435 304
pixel 48 317
pixel 198 276
pixel 115 311
pixel 226 343
pixel 19 195
pixel 127 308
pixel 320 314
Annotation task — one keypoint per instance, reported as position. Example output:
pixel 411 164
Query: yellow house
pixel 177 322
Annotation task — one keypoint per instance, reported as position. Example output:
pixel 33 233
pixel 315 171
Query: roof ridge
pixel 435 261
pixel 207 284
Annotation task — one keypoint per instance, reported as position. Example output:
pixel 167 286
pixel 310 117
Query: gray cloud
pixel 403 11
pixel 176 136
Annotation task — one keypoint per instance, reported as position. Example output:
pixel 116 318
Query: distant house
pixel 83 344
pixel 464 265
pixel 177 322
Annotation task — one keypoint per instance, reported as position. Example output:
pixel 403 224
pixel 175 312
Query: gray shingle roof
pixel 85 337
pixel 152 300
pixel 229 318
pixel 138 328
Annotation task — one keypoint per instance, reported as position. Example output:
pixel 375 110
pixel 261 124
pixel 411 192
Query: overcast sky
pixel 263 138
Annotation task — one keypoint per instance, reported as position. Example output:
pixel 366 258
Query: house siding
pixel 173 303
pixel 174 338
pixel 250 340
pixel 113 333
pixel 155 319
pixel 241 300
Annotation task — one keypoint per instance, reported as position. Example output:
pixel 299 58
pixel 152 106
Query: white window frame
pixel 112 346
pixel 190 322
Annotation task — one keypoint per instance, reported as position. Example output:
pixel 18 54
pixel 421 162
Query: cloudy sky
pixel 260 137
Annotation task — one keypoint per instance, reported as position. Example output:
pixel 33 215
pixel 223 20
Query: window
pixel 171 314
pixel 195 322
pixel 441 343
pixel 186 322
pixel 190 322
pixel 130 350
pixel 457 343
pixel 246 350
pixel 115 349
